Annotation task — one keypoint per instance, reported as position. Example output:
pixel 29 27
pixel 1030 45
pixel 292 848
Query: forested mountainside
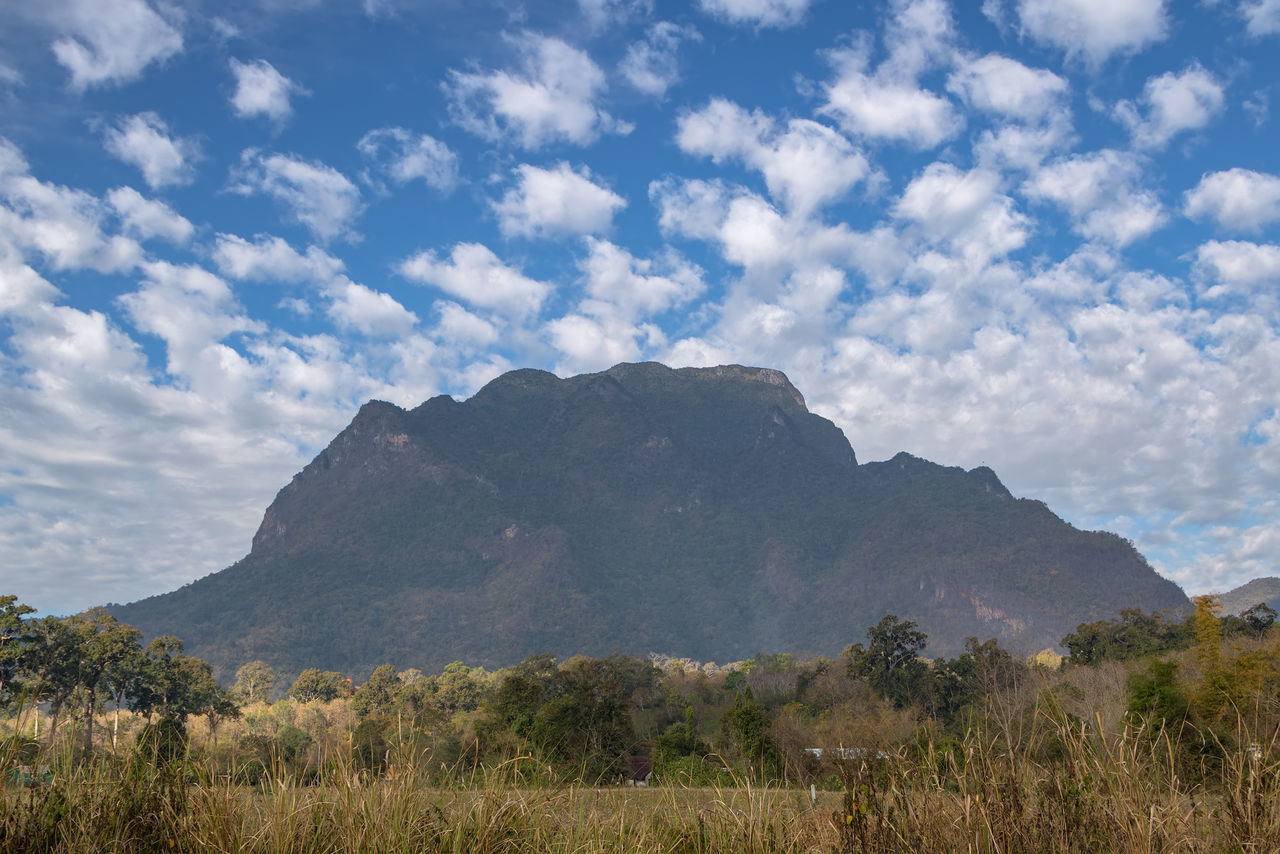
pixel 702 512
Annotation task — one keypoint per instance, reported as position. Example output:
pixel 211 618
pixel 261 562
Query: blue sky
pixel 1040 235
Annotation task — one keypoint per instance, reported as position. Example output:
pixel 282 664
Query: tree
pixel 890 663
pixel 587 729
pixel 744 731
pixel 378 694
pixel 254 681
pixel 15 635
pixel 1259 619
pixel 108 658
pixel 316 684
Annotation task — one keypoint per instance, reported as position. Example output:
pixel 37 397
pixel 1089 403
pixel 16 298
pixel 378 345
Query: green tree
pixel 379 692
pixel 108 659
pixel 744 732
pixel 315 684
pixel 254 681
pixel 587 729
pixel 15 636
pixel 890 663
pixel 677 742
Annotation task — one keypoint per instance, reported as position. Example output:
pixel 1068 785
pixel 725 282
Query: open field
pixel 1099 794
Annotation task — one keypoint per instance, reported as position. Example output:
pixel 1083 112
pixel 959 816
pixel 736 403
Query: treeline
pixel 772 718
pixel 87 662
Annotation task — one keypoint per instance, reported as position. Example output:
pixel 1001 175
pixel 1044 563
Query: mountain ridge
pixel 696 511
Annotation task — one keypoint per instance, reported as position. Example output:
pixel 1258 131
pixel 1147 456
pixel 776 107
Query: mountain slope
pixel 701 512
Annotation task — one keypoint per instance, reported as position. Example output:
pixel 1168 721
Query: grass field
pixel 1098 793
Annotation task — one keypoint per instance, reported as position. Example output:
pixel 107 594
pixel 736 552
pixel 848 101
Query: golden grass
pixel 1090 789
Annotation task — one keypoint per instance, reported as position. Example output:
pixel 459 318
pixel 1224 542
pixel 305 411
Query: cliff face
pixel 701 512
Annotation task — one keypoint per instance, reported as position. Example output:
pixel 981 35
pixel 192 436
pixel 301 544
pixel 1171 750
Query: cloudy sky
pixel 1043 235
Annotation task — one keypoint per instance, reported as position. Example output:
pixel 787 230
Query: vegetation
pixel 1173 750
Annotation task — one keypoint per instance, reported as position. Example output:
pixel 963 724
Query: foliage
pixel 316 684
pixel 254 681
pixel 890 663
pixel 1134 635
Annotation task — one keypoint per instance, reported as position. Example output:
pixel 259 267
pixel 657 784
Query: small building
pixel 639 770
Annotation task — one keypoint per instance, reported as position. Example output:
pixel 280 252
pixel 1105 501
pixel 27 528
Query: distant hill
pixel 698 512
pixel 1259 591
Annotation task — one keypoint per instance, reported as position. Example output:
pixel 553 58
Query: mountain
pixel 1265 591
pixel 703 512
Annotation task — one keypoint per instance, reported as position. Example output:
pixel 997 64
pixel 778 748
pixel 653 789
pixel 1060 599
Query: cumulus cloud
pixel 551 95
pixel 262 91
pixel 965 210
pixel 1262 17
pixel 556 202
pixel 882 107
pixel 143 140
pixel 147 218
pixel 473 274
pixel 1094 30
pixel 1005 87
pixel 651 65
pixel 403 157
pixel 619 284
pixel 110 41
pixel 1101 191
pixel 369 312
pixel 1173 103
pixel 805 164
pixel 63 225
pixel 317 196
pixel 1236 266
pixel 190 309
pixel 271 259
pixel 757 13
pixel 1237 198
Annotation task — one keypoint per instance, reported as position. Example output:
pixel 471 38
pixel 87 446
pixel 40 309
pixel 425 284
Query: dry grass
pixel 1071 787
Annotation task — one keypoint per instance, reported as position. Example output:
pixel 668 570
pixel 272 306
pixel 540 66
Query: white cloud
pixel 965 210
pixel 144 141
pixel 110 41
pixel 262 91
pixel 1174 103
pixel 805 164
pixel 61 224
pixel 318 196
pixel 1094 30
pixel 406 157
pixel 600 14
pixel 147 218
pixel 191 310
pixel 555 202
pixel 460 328
pixel 1101 192
pixel 885 108
pixel 551 96
pixel 1004 86
pixel 1237 198
pixel 651 65
pixel 369 312
pixel 619 284
pixel 1262 16
pixel 10 76
pixel 270 258
pixel 475 275
pixel 758 13
pixel 1024 147
pixel 1236 266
